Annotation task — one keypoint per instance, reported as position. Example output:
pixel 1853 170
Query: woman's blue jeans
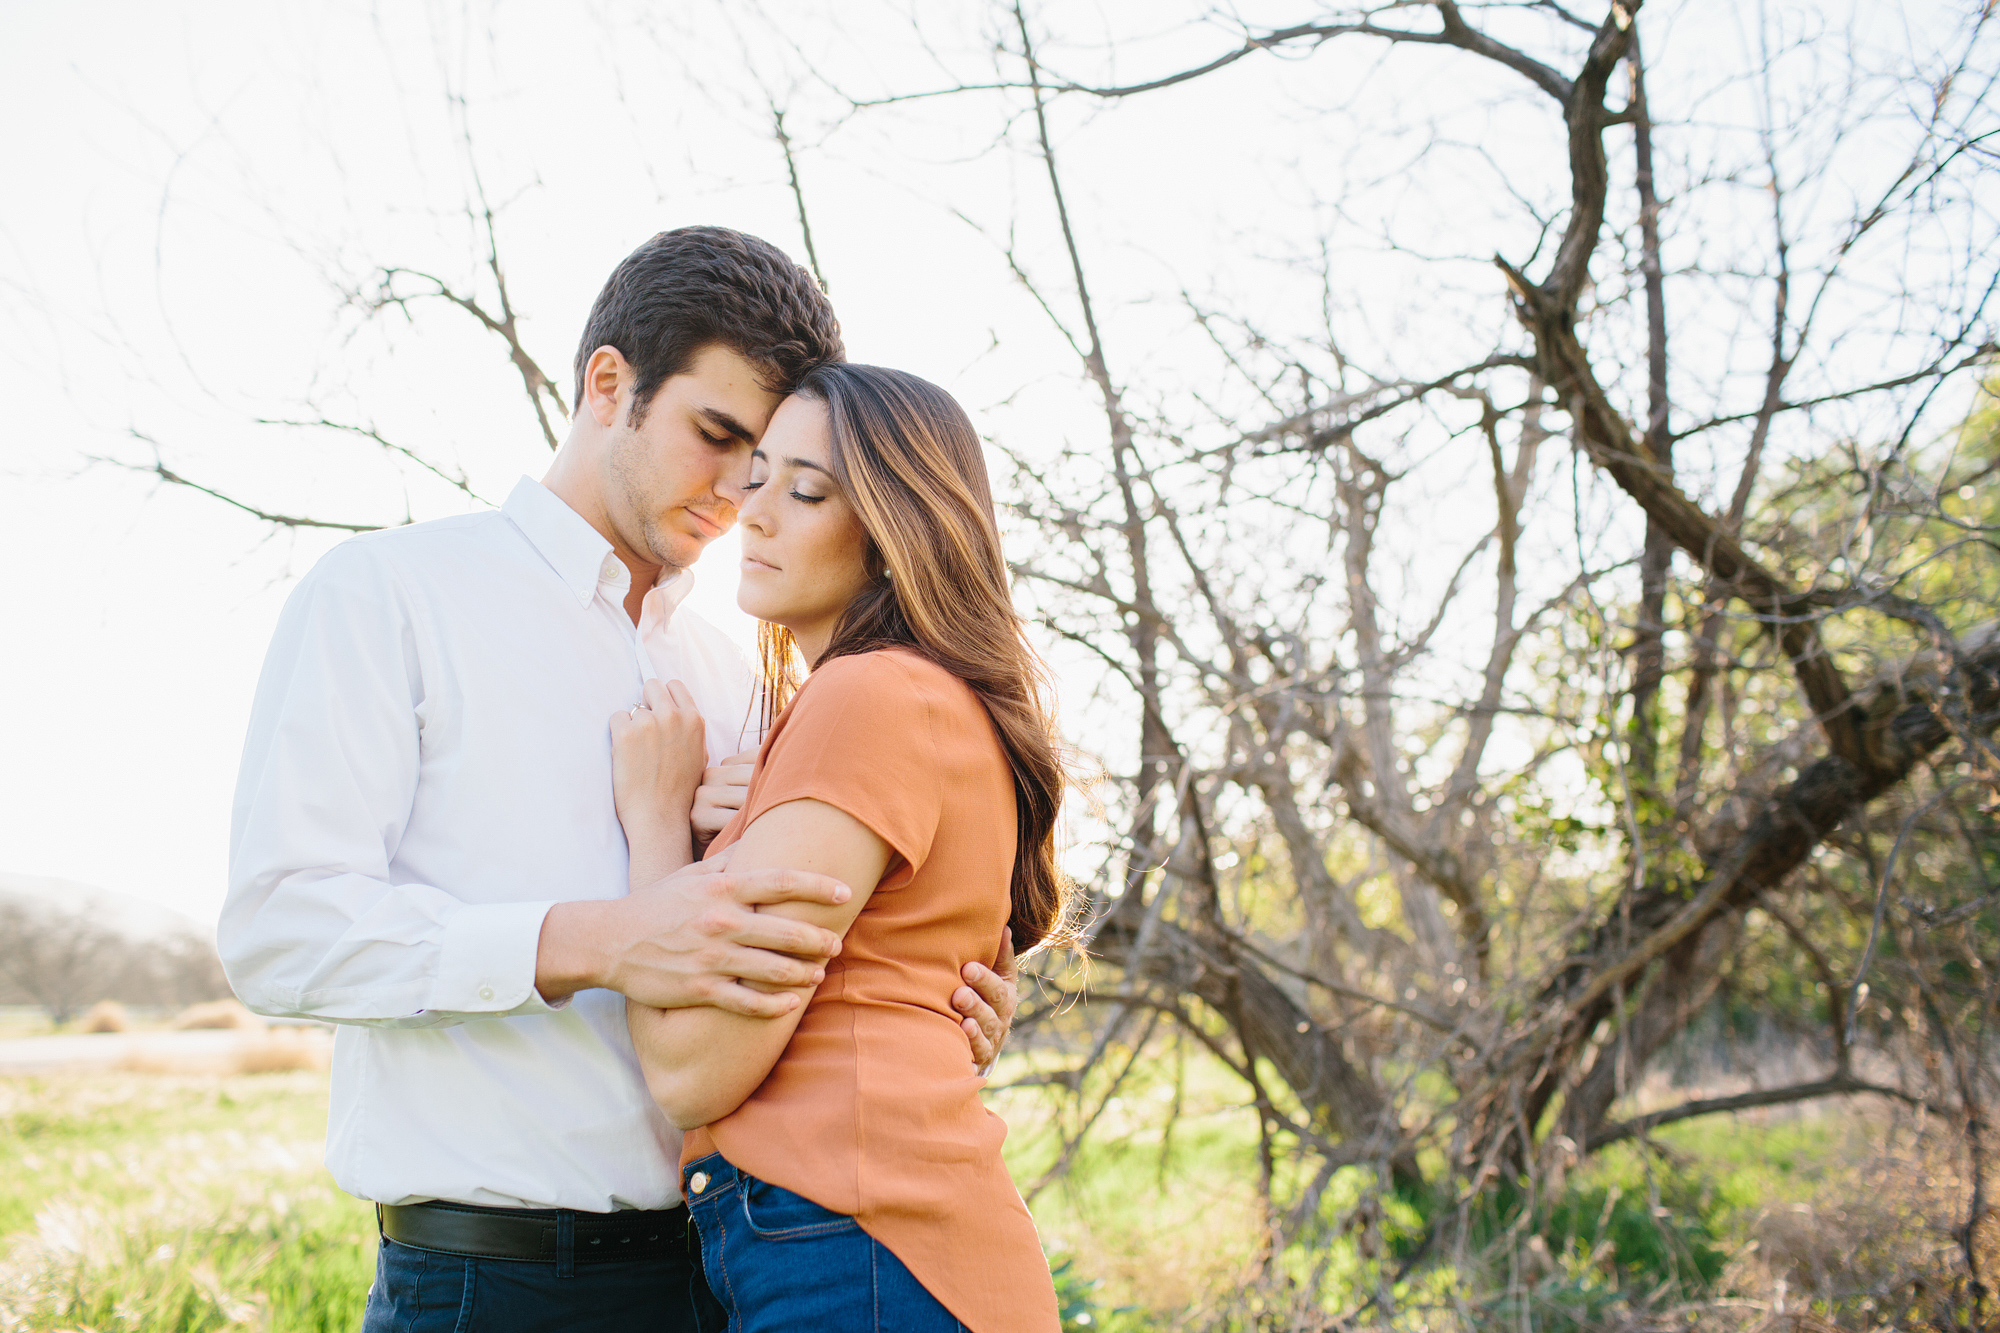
pixel 779 1263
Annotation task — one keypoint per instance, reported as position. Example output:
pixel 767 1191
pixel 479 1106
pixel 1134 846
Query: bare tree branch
pixel 1836 1086
pixel 160 470
pixel 798 192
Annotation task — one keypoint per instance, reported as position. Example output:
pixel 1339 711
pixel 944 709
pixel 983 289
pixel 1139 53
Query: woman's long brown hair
pixel 908 460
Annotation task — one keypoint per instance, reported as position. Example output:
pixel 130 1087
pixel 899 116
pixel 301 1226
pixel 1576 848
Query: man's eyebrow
pixel 726 423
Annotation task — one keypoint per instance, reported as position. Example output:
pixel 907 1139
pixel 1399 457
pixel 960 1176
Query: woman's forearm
pixel 656 766
pixel 659 846
pixel 701 1063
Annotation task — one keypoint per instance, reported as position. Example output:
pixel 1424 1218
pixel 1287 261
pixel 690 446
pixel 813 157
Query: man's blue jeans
pixel 422 1291
pixel 778 1263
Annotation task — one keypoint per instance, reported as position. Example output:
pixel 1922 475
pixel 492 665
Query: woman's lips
pixel 751 562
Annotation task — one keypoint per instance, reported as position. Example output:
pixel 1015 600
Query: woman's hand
pixel 721 794
pixel 657 754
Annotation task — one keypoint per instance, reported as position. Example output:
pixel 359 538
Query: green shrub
pixel 1076 1302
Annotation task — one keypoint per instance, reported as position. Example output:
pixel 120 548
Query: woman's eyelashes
pixel 756 483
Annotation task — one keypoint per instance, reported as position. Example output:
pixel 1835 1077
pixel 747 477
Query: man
pixel 424 847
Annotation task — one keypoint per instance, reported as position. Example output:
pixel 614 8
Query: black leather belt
pixel 537 1235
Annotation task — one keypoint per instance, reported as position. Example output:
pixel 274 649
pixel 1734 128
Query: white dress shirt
pixel 428 770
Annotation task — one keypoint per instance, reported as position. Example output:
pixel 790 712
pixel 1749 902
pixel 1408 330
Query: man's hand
pixel 721 794
pixel 693 938
pixel 988 1000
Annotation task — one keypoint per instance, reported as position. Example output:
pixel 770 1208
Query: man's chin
pixel 675 550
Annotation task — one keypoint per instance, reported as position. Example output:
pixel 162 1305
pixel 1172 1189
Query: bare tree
pixel 62 960
pixel 1483 705
pixel 1746 693
pixel 65 958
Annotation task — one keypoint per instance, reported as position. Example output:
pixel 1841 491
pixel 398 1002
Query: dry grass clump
pixel 261 1051
pixel 106 1016
pixel 219 1014
pixel 156 1059
pixel 1877 1243
pixel 281 1050
pixel 1869 1241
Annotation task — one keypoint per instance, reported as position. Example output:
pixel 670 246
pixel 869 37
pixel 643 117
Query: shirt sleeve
pixel 861 736
pixel 315 925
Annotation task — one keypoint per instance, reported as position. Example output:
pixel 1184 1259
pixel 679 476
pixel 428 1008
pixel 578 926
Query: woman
pixel 839 1164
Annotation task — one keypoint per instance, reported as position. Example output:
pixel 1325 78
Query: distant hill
pixel 132 917
pixel 64 946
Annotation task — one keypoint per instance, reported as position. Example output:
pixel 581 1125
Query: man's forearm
pixel 573 954
pixel 691 939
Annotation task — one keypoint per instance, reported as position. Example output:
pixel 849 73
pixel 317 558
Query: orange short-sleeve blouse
pixel 873 1110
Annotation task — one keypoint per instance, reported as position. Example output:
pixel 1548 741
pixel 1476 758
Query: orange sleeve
pixel 861 736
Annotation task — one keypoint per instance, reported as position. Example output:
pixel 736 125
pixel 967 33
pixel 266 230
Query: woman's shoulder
pixel 896 673
pixel 891 688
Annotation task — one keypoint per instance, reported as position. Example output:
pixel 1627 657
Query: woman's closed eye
pixel 795 494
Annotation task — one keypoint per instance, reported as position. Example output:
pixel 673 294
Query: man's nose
pixel 748 512
pixel 734 477
pixel 726 493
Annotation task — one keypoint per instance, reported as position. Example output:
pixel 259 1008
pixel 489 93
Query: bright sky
pixel 192 189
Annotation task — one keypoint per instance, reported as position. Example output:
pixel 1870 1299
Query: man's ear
pixel 608 379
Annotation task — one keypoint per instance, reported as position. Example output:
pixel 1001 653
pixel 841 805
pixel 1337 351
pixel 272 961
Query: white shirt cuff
pixel 487 965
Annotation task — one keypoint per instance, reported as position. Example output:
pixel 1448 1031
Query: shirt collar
pixel 578 553
pixel 666 596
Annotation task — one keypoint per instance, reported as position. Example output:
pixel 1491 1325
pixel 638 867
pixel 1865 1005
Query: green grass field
pixel 141 1203
pixel 151 1202
pixel 145 1203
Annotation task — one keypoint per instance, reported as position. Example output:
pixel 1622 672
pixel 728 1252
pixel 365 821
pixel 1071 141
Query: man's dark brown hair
pixel 686 289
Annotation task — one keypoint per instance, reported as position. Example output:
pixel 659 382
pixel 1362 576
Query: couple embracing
pixel 590 1081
